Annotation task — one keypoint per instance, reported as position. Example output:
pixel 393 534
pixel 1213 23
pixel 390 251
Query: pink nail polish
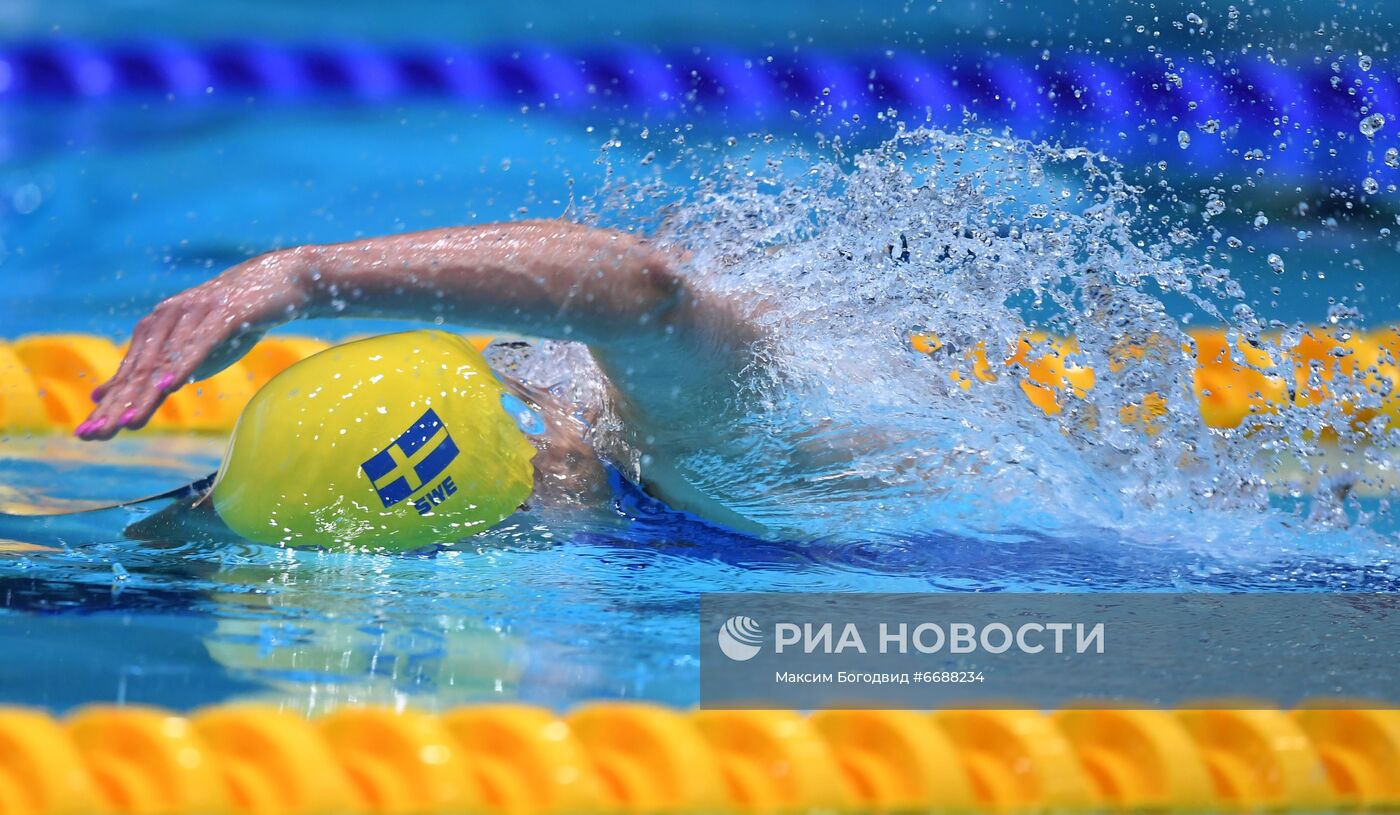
pixel 96 425
pixel 81 429
pixel 125 417
pixel 166 381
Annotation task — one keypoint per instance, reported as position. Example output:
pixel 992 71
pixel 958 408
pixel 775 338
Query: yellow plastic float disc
pixel 214 403
pixel 525 758
pixel 274 763
pixel 1138 759
pixel 400 762
pixel 1017 760
pixel 273 355
pixel 1047 373
pixel 896 760
pixel 773 761
pixel 648 758
pixel 1227 391
pixel 1387 378
pixel 1360 752
pixel 1258 759
pixel 20 405
pixel 66 367
pixel 40 771
pixel 146 761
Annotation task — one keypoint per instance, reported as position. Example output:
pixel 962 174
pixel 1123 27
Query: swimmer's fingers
pixel 145 377
pixel 203 343
pixel 191 341
pixel 187 345
pixel 116 399
pixel 146 339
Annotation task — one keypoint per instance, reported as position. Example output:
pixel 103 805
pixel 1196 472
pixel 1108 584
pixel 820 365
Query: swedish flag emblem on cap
pixel 416 457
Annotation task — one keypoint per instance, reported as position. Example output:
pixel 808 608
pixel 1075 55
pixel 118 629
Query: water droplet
pixel 1372 125
pixel 1275 263
pixel 27 198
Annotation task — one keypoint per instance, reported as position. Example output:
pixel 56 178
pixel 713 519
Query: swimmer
pixel 674 356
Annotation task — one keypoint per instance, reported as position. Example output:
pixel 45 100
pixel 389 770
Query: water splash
pixel 980 240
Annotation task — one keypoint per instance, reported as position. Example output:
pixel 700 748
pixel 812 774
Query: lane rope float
pixel 631 757
pixel 1088 98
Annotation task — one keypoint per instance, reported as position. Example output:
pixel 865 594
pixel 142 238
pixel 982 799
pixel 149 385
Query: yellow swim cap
pixel 393 442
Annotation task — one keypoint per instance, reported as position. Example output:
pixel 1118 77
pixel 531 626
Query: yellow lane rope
pixel 1232 380
pixel 612 757
pixel 45 380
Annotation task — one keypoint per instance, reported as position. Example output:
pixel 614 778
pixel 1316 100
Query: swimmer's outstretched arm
pixel 616 292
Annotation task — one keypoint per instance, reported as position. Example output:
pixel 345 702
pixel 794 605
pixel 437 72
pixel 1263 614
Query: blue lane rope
pixel 1096 102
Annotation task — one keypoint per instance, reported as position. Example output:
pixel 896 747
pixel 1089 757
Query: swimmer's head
pixel 392 443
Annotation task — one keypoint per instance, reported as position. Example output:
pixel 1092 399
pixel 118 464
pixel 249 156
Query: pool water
pixel 110 209
pixel 592 608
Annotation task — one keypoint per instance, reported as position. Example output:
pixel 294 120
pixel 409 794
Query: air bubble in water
pixel 1275 263
pixel 1214 207
pixel 1392 158
pixel 27 198
pixel 1260 221
pixel 1364 62
pixel 1184 139
pixel 1370 185
pixel 1372 125
pixel 1195 19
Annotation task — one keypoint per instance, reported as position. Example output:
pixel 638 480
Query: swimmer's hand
pixel 194 335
